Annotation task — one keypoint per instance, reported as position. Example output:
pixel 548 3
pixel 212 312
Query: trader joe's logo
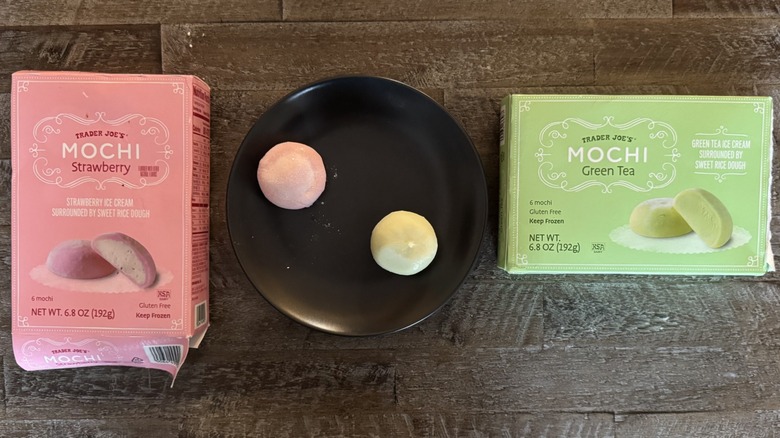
pixel 575 154
pixel 69 150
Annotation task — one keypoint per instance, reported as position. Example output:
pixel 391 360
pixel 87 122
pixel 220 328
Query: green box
pixel 575 167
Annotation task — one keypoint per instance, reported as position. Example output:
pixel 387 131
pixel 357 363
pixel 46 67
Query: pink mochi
pixel 76 259
pixel 291 175
pixel 128 256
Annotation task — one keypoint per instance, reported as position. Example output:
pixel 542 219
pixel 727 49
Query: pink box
pixel 110 219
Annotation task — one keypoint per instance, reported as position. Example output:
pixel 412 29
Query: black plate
pixel 386 147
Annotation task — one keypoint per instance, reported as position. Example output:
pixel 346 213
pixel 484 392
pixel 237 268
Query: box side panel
pixel 504 196
pixel 201 131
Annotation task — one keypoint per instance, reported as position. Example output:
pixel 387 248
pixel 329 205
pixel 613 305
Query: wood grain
pixel 333 10
pixel 510 380
pixel 96 428
pixel 403 424
pixel 3 413
pixel 717 315
pixel 752 424
pixel 92 392
pixel 683 51
pixel 5 254
pixel 5 192
pixel 758 314
pixel 726 8
pixel 5 289
pixel 424 54
pixel 96 12
pixel 5 126
pixel 620 380
pixel 281 383
pixel 131 49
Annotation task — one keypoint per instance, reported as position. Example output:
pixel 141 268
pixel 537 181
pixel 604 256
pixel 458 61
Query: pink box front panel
pixel 97 154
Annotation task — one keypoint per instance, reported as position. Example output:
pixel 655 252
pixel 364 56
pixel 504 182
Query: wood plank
pixel 713 315
pixel 92 392
pixel 726 8
pixel 422 54
pixel 402 424
pixel 5 262
pixel 754 424
pixel 365 10
pixel 682 51
pixel 130 49
pixel 67 428
pixel 5 288
pixel 281 383
pixel 757 313
pixel 5 126
pixel 68 12
pixel 3 413
pixel 620 380
pixel 5 193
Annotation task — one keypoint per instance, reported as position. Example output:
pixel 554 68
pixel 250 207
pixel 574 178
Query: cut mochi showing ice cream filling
pixel 128 256
pixel 76 259
pixel 658 218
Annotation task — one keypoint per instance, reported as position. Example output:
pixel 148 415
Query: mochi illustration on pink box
pixel 110 215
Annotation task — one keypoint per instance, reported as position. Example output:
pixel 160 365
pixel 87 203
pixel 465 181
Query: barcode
pixel 501 120
pixel 163 353
pixel 200 314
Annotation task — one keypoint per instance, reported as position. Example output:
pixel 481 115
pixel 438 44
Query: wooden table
pixel 575 355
